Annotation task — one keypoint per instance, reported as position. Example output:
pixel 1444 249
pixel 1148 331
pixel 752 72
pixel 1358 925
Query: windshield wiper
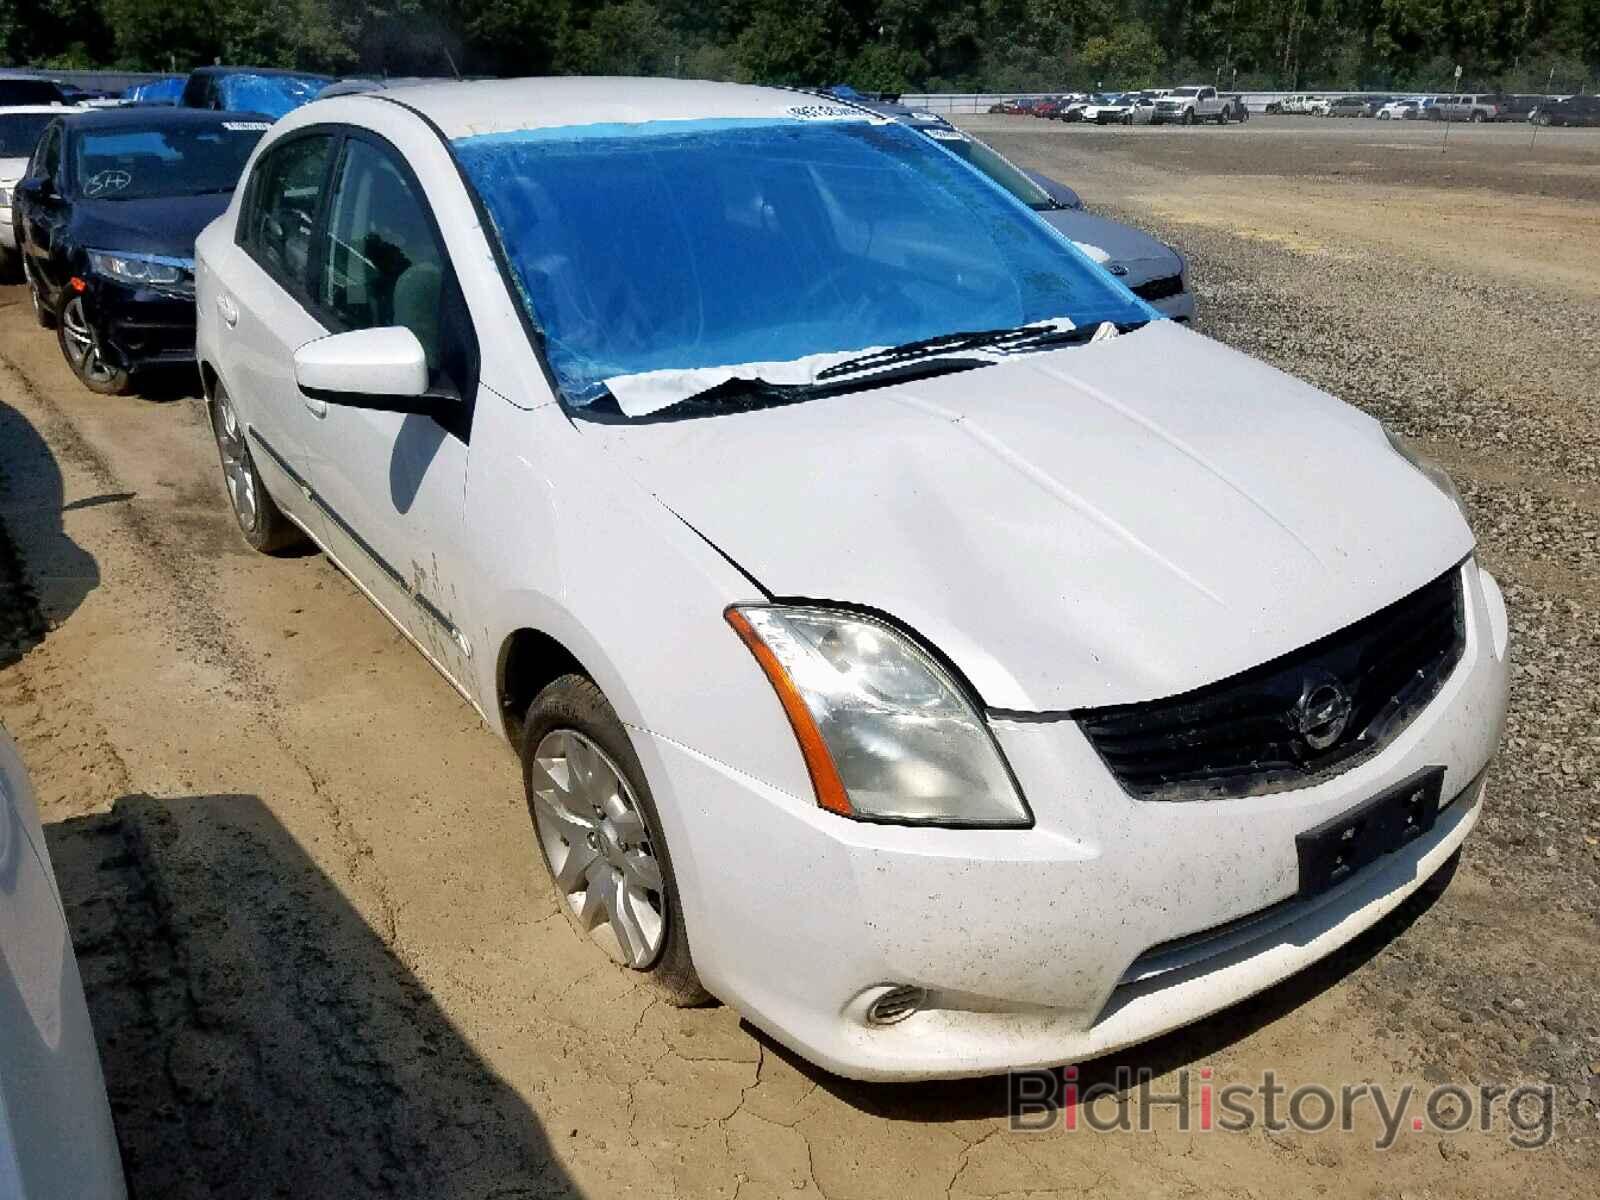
pixel 743 394
pixel 1017 337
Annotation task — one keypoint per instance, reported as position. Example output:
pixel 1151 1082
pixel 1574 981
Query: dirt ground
pixel 319 949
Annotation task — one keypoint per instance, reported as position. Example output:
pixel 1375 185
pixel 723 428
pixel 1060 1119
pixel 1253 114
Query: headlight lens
pixel 139 268
pixel 1435 474
pixel 887 734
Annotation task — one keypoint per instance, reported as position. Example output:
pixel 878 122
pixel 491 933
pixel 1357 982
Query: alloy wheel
pixel 238 469
pixel 598 847
pixel 78 339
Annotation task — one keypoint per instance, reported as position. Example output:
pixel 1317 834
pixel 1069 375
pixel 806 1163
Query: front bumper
pixel 1027 940
pixel 140 326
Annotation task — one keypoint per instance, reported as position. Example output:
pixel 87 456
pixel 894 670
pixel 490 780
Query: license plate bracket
pixel 1336 849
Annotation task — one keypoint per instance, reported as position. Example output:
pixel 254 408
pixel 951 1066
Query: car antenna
pixel 454 70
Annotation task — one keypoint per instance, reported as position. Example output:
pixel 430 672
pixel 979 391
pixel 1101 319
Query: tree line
pixel 879 45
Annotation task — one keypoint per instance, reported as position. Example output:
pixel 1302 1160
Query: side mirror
pixel 384 369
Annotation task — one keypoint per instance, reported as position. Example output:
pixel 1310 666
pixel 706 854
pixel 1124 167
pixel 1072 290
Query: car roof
pixel 472 107
pixel 155 116
pixel 222 70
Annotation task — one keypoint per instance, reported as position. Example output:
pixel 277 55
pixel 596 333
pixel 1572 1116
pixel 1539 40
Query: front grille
pixel 1276 726
pixel 1160 289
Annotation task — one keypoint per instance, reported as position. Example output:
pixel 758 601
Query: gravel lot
pixel 320 955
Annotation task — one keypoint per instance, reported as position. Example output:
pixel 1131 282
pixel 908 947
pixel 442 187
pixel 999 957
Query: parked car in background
pixel 1408 109
pixel 1152 270
pixel 1090 107
pixel 261 90
pixel 1573 110
pixel 1050 530
pixel 1348 106
pixel 1294 105
pixel 1472 107
pixel 20 90
pixel 19 133
pixel 1136 108
pixel 1190 105
pixel 1237 109
pixel 1318 106
pixel 1048 107
pixel 57 1141
pixel 107 214
pixel 1513 107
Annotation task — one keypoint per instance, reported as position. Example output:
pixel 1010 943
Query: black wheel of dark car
pixel 598 833
pixel 1188 116
pixel 260 519
pixel 10 265
pixel 42 312
pixel 80 346
pixel 1478 118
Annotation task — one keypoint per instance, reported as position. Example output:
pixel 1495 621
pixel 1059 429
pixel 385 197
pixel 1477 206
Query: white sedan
pixel 56 1137
pixel 909 637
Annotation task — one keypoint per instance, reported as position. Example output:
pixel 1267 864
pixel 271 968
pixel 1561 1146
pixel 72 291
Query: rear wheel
pixel 260 519
pixel 1477 118
pixel 598 833
pixel 42 312
pixel 80 346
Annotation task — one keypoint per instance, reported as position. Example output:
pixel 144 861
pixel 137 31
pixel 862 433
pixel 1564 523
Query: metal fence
pixel 978 102
pixel 105 81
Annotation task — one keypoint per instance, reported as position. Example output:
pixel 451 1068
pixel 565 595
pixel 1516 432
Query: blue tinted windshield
pixel 690 244
pixel 274 95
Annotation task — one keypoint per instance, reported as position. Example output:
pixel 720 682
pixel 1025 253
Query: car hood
pixel 164 225
pixel 1141 255
pixel 1096 525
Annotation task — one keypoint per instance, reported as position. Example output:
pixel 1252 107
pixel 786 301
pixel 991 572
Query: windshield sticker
pixel 945 135
pixel 247 126
pixel 113 180
pixel 825 112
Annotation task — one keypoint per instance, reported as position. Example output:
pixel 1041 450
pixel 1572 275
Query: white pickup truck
pixel 1190 105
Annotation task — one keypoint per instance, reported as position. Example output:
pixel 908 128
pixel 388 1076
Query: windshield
pixel 996 168
pixel 272 95
pixel 184 160
pixel 1185 91
pixel 678 245
pixel 19 133
pixel 30 91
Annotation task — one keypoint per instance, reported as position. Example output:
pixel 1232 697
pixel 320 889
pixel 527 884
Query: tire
pixel 10 266
pixel 1127 119
pixel 260 519
pixel 1188 116
pixel 571 722
pixel 80 346
pixel 1477 118
pixel 42 312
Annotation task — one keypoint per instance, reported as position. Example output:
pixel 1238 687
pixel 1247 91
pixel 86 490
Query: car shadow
pixel 988 1098
pixel 165 384
pixel 59 573
pixel 258 1037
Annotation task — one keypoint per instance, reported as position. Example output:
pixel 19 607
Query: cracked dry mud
pixel 321 956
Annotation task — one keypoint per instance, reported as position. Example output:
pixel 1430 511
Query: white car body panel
pixel 1109 522
pixel 12 169
pixel 56 1136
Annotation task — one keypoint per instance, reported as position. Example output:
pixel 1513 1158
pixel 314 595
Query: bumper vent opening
pixel 896 1004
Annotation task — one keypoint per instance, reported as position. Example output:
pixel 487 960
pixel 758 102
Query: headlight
pixel 139 268
pixel 887 734
pixel 1435 474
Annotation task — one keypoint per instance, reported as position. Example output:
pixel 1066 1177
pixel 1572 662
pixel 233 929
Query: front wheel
pixel 80 346
pixel 1127 118
pixel 598 833
pixel 1477 118
pixel 1188 116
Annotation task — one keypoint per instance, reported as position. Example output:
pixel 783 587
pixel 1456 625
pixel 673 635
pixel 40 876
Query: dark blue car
pixel 106 218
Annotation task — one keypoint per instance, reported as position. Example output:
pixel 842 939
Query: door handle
pixel 227 309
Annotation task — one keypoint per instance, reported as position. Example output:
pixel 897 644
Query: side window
pixel 280 215
pixel 385 266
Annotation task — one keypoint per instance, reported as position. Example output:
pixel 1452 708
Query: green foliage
pixel 879 45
